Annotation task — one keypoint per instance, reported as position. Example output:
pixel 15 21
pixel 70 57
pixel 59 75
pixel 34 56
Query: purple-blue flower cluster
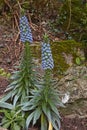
pixel 25 31
pixel 47 60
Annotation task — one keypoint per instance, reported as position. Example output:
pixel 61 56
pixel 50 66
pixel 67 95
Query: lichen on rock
pixel 64 54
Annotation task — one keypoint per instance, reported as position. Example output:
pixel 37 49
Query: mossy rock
pixel 64 54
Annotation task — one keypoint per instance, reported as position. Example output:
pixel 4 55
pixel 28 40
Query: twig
pixel 29 18
pixel 84 116
pixel 7 3
pixel 19 5
pixel 17 36
pixel 16 22
pixel 69 22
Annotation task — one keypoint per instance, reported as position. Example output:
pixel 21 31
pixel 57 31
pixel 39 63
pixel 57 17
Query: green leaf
pixel 4 121
pixel 16 127
pixel 16 82
pixel 13 112
pixel 22 122
pixel 55 121
pixel 44 107
pixel 6 105
pixel 25 108
pixel 49 114
pixel 16 72
pixel 78 61
pixel 26 82
pixel 29 119
pixel 53 107
pixel 26 104
pixel 23 96
pixel 15 100
pixel 20 90
pixel 37 115
pixel 7 114
pixel 14 92
pixel 9 87
pixel 6 97
pixel 6 125
pixel 13 87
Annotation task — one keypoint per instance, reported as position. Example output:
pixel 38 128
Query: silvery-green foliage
pixel 23 79
pixel 44 104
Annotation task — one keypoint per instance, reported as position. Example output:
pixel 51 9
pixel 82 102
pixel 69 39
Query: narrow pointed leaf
pixel 29 119
pixel 5 105
pixel 36 115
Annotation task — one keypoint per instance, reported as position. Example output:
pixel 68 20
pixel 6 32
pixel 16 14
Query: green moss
pixel 3 73
pixel 64 47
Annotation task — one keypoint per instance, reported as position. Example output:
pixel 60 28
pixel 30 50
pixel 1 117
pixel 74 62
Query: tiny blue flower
pixel 47 60
pixel 25 31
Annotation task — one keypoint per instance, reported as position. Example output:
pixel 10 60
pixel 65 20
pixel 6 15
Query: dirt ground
pixel 9 56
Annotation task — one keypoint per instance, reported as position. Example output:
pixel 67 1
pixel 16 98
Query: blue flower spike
pixel 25 31
pixel 47 60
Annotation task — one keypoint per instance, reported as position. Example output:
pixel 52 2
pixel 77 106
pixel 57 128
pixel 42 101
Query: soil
pixel 75 123
pixel 10 51
pixel 3 84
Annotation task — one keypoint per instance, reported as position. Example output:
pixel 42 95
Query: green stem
pixel 28 56
pixel 47 80
pixel 43 122
pixel 47 77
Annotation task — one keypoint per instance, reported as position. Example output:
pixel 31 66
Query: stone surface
pixel 74 82
pixel 2 128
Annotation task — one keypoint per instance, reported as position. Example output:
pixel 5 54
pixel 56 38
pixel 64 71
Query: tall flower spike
pixel 47 60
pixel 25 31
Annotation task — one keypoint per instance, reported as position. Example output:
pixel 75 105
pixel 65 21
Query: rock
pixel 74 82
pixel 8 60
pixel 2 128
pixel 1 46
